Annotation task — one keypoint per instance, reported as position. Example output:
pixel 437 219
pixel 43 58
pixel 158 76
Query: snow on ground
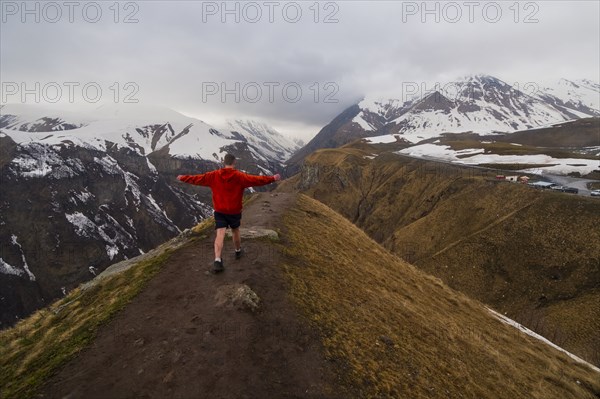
pixel 362 123
pixel 6 268
pixel 40 160
pixel 269 142
pixel 151 166
pixel 13 240
pixel 161 215
pixel 555 165
pixel 132 128
pixel 29 114
pixel 527 331
pixel 83 196
pixel 581 90
pixel 112 167
pixel 85 227
pixel 432 123
pixel 199 142
pixel 386 138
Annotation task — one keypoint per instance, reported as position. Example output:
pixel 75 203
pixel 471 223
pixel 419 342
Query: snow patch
pixel 385 139
pixel 527 331
pixel 6 268
pixel 553 165
pixel 13 240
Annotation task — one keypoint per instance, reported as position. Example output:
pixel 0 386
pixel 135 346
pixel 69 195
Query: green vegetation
pixel 36 347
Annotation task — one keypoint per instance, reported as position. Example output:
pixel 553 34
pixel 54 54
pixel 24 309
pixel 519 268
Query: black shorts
pixel 225 220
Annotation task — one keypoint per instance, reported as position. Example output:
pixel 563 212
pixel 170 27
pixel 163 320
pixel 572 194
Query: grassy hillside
pixel 566 140
pixel 579 133
pixel 388 329
pixel 532 255
pixel 392 331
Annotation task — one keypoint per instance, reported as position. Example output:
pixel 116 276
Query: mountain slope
pixel 397 332
pixel 265 140
pixel 475 103
pixel 338 316
pixel 531 255
pixel 582 95
pixel 84 191
pixel 339 131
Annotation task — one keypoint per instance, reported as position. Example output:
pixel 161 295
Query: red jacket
pixel 227 185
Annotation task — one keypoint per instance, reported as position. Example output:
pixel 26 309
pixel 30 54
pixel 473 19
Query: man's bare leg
pixel 237 238
pixel 219 239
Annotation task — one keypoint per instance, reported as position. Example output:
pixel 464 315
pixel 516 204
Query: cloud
pixel 178 49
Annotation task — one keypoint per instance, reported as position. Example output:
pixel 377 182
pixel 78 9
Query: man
pixel 227 185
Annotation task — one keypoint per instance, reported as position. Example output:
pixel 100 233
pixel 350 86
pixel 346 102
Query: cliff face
pixel 69 212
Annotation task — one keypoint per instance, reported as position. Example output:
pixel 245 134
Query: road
pixel 569 181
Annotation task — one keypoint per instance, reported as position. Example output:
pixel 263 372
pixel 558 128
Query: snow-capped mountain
pixel 376 113
pixel 145 130
pixel 35 118
pixel 83 191
pixel 477 103
pixel 474 103
pixel 267 142
pixel 581 95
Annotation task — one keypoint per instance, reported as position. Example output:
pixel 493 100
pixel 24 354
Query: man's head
pixel 229 160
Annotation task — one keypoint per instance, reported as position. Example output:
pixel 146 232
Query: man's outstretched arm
pixel 204 179
pixel 254 180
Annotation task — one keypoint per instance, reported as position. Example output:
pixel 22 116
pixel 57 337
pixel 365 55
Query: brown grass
pixel 512 247
pixel 504 148
pixel 394 331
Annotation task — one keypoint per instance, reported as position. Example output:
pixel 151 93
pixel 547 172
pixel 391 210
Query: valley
pixel 532 255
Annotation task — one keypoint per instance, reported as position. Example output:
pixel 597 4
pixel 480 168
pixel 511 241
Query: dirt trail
pixel 174 341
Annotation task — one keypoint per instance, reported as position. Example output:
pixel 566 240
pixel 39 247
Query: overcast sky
pixel 184 54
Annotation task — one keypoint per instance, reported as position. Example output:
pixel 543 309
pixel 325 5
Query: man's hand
pixel 277 177
pixel 179 177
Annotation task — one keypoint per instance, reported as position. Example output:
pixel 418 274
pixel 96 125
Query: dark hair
pixel 229 159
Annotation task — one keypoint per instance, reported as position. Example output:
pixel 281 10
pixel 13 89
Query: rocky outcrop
pixel 237 296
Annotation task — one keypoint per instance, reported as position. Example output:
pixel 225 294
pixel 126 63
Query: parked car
pixel 595 193
pixel 565 189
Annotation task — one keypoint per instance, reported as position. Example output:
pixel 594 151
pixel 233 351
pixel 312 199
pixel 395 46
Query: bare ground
pixel 176 339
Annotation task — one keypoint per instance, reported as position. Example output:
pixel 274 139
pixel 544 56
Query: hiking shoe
pixel 238 254
pixel 217 267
